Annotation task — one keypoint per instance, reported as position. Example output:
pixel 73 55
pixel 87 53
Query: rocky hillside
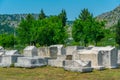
pixel 13 19
pixel 110 17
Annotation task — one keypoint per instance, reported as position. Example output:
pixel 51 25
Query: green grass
pixel 50 73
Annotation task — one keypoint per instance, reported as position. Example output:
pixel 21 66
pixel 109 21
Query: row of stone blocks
pixel 99 57
pixel 72 58
pixel 30 62
pixel 20 61
pixel 72 65
pixel 28 59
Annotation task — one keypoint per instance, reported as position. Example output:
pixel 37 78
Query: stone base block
pixel 55 63
pixel 77 63
pixel 30 62
pixel 99 67
pixel 79 69
pixel 28 65
pixel 112 67
pixel 5 65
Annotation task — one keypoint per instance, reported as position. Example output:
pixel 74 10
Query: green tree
pixel 85 15
pixel 24 30
pixel 63 17
pixel 7 41
pixel 117 38
pixel 46 31
pixel 42 15
pixel 97 31
pixel 51 31
pixel 77 30
pixel 86 29
pixel 82 27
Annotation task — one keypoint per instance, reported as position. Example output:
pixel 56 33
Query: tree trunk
pixel 95 43
pixel 85 44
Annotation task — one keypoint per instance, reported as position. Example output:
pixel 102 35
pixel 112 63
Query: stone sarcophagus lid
pixel 30 51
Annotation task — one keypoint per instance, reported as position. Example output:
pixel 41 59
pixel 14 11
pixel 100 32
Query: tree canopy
pixel 45 31
pixel 42 15
pixel 87 29
pixel 49 30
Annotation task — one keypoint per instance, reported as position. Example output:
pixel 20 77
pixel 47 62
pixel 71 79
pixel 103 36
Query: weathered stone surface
pixel 30 51
pixel 53 52
pixel 89 55
pixel 109 56
pixel 79 69
pixel 77 65
pixel 43 52
pixel 61 57
pixel 1 48
pixel 11 52
pixel 118 57
pixel 99 56
pixel 8 60
pixel 2 51
pixel 47 59
pixel 69 57
pixel 30 62
pixel 57 62
pixel 71 49
pixel 99 67
pixel 56 50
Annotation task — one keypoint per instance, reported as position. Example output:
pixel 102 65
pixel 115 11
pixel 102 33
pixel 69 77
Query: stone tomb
pixel 70 50
pixel 61 55
pixel 30 62
pixel 43 52
pixel 100 57
pixel 56 50
pixel 58 55
pixel 30 51
pixel 109 56
pixel 9 58
pixel 57 62
pixel 89 55
pixel 77 65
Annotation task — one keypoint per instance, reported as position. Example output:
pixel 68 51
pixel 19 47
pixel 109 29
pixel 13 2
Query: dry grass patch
pixel 50 73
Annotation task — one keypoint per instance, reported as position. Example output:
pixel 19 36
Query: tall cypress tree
pixel 85 15
pixel 42 15
pixel 63 17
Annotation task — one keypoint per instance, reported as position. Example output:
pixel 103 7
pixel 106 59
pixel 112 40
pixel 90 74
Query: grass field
pixel 50 73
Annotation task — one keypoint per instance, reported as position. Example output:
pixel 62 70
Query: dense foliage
pixel 7 40
pixel 49 30
pixel 44 31
pixel 86 29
